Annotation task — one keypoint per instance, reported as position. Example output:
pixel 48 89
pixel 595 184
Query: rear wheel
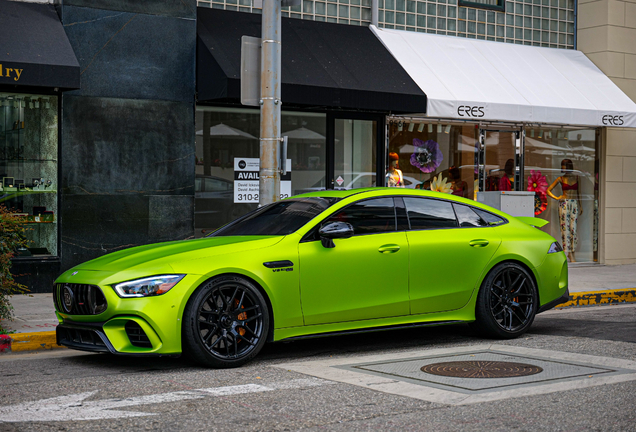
pixel 507 302
pixel 225 323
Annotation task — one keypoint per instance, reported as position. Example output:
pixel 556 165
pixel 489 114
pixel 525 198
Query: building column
pixel 606 34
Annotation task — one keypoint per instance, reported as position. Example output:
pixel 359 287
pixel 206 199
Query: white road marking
pixel 75 407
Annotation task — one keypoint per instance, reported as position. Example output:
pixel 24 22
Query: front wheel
pixel 225 323
pixel 507 302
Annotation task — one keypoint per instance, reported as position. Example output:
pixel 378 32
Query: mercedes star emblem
pixel 67 299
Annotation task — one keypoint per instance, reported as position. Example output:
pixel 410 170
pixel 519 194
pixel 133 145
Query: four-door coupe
pixel 321 263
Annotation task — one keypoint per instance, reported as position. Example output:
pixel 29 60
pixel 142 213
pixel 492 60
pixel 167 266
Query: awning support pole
pixel 269 178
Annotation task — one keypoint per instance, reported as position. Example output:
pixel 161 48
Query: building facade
pixel 138 141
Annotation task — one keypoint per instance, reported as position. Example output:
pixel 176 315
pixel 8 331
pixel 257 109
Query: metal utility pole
pixel 374 12
pixel 269 178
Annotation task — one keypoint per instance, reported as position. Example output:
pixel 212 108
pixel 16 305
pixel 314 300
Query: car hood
pixel 163 254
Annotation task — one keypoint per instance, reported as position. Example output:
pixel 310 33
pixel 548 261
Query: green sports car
pixel 321 263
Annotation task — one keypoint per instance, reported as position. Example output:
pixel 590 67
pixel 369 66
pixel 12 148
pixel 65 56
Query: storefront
pixel 339 84
pixel 34 70
pixel 504 117
pixel 482 117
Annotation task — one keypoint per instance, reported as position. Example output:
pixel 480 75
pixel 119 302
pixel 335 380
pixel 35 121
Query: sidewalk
pixel 35 319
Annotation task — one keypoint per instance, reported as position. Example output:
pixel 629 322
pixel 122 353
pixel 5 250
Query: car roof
pixel 384 191
pixel 376 191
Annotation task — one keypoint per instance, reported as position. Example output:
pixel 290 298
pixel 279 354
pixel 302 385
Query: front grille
pixel 80 338
pixel 137 335
pixel 79 299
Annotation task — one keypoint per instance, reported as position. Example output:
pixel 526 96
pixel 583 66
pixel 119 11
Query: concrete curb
pixel 46 340
pixel 598 298
pixel 32 341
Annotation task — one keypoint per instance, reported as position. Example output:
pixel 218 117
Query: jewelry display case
pixel 28 167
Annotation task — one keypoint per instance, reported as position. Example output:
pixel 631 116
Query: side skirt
pixel 370 329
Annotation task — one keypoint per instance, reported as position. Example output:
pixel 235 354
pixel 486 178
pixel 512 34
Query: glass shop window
pixel 368 217
pixel 28 167
pixel 562 168
pixel 227 161
pixel 433 156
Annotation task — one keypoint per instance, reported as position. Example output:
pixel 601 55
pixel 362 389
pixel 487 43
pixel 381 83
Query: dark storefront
pixel 122 169
pixel 142 154
pixel 35 69
pixel 338 85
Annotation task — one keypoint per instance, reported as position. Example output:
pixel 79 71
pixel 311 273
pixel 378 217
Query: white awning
pixel 493 81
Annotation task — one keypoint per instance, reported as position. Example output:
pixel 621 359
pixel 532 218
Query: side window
pixel 198 184
pixel 368 217
pixel 490 218
pixel 467 217
pixel 430 214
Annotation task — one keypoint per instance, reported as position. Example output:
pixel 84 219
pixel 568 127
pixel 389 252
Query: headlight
pixel 555 247
pixel 150 286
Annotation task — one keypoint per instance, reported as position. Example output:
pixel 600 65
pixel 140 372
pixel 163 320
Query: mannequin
pixel 394 175
pixel 507 182
pixel 569 206
pixel 460 187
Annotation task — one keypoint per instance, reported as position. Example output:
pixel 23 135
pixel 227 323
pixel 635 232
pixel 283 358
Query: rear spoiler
pixel 532 221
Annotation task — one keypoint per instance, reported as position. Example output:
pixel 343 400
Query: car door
pixel 362 277
pixel 449 248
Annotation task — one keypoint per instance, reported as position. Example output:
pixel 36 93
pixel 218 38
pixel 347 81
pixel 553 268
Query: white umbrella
pixel 302 133
pixel 224 131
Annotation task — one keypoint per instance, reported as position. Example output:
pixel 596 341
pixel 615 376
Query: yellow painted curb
pixel 33 341
pixel 591 298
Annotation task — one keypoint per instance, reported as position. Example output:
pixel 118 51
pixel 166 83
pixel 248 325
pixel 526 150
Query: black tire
pixel 225 323
pixel 507 302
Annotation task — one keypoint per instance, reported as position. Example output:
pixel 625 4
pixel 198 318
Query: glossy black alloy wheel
pixel 225 323
pixel 512 299
pixel 507 302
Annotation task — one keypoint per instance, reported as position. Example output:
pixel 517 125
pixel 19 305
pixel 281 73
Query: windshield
pixel 280 218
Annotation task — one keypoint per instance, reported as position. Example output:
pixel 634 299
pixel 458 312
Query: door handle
pixel 389 248
pixel 479 243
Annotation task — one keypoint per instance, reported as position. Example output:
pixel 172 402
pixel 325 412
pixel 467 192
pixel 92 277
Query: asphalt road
pixel 94 392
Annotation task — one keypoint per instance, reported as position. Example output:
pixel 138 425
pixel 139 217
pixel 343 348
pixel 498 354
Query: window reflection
pixel 561 166
pixel 432 156
pixel 225 134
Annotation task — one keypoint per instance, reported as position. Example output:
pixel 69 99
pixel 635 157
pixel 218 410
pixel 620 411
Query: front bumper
pixel 124 335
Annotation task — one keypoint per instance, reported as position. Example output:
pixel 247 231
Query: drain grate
pixel 481 369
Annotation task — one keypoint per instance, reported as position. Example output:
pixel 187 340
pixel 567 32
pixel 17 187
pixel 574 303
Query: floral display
pixel 538 184
pixel 440 184
pixel 426 156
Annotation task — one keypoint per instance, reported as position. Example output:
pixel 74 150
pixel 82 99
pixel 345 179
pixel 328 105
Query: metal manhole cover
pixel 481 369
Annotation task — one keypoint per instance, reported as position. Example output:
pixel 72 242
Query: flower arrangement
pixel 440 184
pixel 538 184
pixel 426 156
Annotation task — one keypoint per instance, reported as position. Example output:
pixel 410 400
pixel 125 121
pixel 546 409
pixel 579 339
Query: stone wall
pixel 607 35
pixel 127 136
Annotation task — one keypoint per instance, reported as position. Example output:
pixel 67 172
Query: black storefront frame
pixel 379 118
pixel 331 117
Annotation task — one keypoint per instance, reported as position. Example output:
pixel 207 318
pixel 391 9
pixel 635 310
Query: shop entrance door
pixel 500 160
pixel 355 158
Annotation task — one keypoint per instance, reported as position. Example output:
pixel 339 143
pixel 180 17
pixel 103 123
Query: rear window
pixel 280 218
pixel 467 217
pixel 490 218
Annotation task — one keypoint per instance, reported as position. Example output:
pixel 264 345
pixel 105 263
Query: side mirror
pixel 334 230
